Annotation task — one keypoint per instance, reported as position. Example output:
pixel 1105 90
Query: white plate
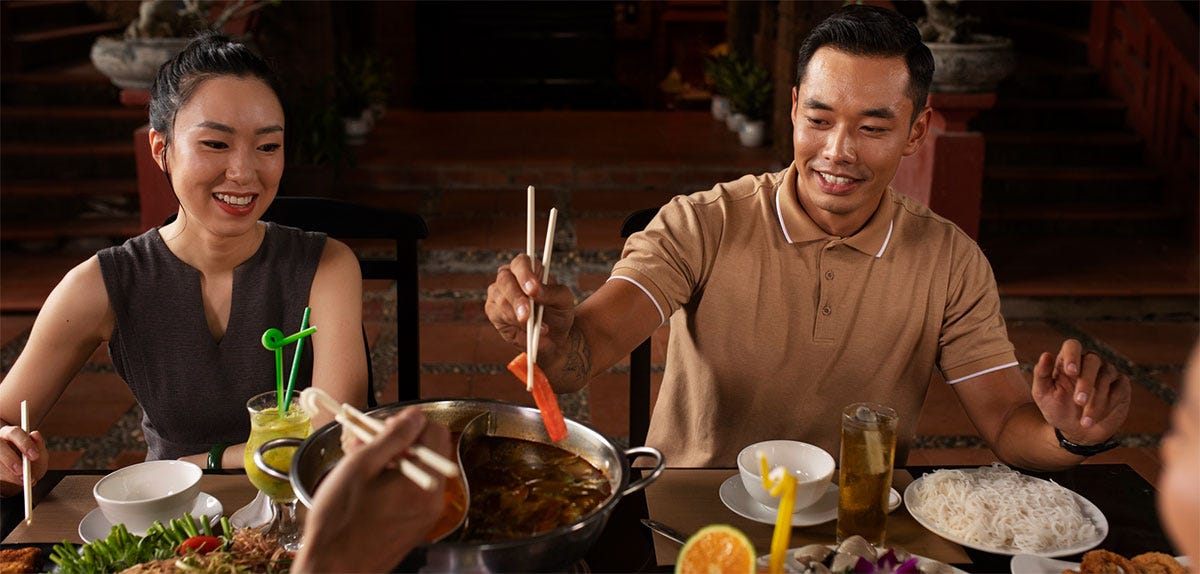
pixel 95 526
pixel 1089 510
pixel 1030 564
pixel 791 565
pixel 734 495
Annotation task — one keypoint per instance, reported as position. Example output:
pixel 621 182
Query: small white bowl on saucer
pixel 810 464
pixel 95 526
pixel 139 494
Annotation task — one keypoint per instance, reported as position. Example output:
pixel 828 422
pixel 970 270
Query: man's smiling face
pixel 852 121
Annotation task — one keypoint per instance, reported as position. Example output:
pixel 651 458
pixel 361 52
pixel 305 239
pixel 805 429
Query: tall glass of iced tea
pixel 865 474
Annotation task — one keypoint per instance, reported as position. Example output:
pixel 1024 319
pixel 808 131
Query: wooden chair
pixel 639 359
pixel 345 220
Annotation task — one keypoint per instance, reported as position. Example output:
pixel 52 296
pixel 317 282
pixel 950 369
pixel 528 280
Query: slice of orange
pixel 718 548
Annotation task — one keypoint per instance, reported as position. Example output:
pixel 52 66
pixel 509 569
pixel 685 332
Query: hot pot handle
pixel 645 481
pixel 272 445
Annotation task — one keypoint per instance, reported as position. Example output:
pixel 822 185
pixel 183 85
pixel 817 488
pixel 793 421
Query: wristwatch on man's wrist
pixel 1084 449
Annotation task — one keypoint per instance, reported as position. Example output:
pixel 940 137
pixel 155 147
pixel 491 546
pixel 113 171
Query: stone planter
pixel 975 67
pixel 132 64
pixel 753 133
pixel 720 107
pixel 734 121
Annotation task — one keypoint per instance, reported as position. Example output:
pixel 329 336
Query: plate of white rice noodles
pixel 999 510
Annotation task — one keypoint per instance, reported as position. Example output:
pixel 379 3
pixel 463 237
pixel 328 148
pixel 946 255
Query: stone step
pixel 1064 36
pixel 78 84
pixel 28 161
pixel 1083 220
pixel 115 228
pixel 1038 114
pixel 1063 148
pixel 1076 186
pixel 41 188
pixel 1039 77
pixel 39 48
pixel 30 15
pixel 57 124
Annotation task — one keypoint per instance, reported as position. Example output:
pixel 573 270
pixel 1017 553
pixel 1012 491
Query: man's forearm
pixel 574 369
pixel 1027 440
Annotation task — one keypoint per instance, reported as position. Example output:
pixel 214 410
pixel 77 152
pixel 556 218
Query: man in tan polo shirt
pixel 792 294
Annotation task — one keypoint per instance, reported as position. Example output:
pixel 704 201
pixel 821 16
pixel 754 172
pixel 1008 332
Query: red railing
pixel 1147 55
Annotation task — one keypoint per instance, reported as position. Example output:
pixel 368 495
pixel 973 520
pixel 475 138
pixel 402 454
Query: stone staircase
pixel 66 149
pixel 1060 159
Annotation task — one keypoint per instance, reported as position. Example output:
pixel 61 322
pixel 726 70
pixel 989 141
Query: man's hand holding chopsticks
pixel 508 309
pixel 366 515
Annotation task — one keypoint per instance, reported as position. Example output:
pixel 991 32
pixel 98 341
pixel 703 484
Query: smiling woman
pixel 183 307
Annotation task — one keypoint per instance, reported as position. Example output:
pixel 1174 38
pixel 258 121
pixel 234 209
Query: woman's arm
pixel 75 319
pixel 339 360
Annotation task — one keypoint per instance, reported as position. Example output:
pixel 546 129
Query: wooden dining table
pixel 685 499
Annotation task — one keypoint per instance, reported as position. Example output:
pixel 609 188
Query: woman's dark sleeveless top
pixel 192 388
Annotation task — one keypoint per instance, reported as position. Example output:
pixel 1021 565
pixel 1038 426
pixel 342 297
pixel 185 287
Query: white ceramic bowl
pixel 812 466
pixel 138 495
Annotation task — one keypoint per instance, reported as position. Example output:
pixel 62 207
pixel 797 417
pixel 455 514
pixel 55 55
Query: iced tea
pixel 865 473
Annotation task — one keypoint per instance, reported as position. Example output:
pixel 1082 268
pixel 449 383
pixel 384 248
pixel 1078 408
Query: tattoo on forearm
pixel 577 364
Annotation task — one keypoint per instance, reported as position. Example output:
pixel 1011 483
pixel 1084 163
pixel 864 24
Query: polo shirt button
pixel 826 310
pixel 829 274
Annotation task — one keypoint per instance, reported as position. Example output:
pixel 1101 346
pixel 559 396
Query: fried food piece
pixel 1157 563
pixel 21 560
pixel 1105 562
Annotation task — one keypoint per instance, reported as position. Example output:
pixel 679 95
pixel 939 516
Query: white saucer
pixel 735 497
pixel 95 526
pixel 256 513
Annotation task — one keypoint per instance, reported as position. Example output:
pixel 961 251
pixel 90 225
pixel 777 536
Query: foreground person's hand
pixel 366 515
pixel 14 441
pixel 1080 394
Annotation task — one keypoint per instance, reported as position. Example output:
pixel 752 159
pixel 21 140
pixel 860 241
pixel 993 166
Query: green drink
pixel 267 425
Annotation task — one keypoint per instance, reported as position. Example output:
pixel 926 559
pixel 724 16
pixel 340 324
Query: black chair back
pixel 345 220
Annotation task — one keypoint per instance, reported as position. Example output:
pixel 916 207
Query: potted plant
pixel 161 29
pixel 718 69
pixel 751 99
pixel 965 61
pixel 362 84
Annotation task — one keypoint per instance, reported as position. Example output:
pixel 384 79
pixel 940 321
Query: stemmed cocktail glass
pixel 267 424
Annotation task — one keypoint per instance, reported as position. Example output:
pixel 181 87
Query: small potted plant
pixel 362 91
pixel 161 29
pixel 964 60
pixel 718 69
pixel 751 98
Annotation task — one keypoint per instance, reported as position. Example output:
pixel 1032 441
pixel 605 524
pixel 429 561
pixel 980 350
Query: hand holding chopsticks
pixel 365 427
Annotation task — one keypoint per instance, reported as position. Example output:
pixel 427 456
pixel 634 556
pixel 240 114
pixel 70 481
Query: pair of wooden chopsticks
pixel 25 467
pixel 365 428
pixel 533 326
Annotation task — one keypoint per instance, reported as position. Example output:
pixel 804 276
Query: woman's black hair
pixel 208 56
pixel 873 31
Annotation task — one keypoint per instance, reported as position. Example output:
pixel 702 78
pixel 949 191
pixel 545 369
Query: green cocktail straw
pixel 274 340
pixel 287 395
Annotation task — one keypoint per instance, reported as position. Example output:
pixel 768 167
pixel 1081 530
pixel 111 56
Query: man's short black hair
pixel 878 32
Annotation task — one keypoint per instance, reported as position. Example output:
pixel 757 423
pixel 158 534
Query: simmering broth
pixel 521 488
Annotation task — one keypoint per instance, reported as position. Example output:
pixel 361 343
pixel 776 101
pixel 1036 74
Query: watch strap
pixel 1084 449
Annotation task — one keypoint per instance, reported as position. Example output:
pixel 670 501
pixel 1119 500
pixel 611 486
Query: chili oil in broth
pixel 521 488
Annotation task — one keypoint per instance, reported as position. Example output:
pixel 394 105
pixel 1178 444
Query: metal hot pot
pixel 553 550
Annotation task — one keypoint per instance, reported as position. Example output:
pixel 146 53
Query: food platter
pixel 790 564
pixel 912 500
pixel 1030 564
